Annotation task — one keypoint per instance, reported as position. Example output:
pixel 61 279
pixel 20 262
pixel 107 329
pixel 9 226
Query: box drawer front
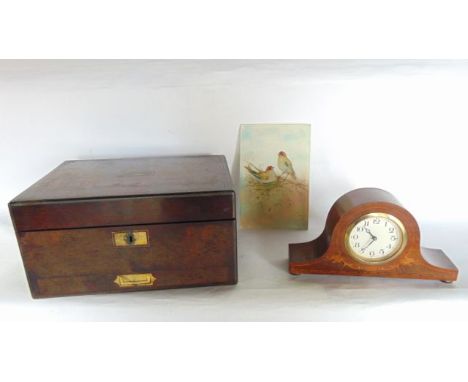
pixel 61 262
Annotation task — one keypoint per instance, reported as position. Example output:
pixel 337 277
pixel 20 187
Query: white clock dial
pixel 375 238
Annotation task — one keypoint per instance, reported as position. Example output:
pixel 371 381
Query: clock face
pixel 375 238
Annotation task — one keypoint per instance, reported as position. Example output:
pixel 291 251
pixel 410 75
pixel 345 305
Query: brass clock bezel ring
pixel 386 259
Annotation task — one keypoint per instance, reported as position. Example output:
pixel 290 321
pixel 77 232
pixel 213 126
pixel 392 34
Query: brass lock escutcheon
pixel 130 238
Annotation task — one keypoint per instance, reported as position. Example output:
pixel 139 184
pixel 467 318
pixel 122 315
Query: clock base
pixel 304 259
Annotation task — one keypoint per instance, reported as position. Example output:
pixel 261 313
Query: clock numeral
pixel 391 230
pixel 355 237
pixel 366 223
pixel 371 253
pixel 382 252
pixel 393 238
pixel 357 245
pixel 389 246
pixel 386 222
pixel 359 229
pixel 376 221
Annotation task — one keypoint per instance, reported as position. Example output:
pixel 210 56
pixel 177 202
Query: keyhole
pixel 130 238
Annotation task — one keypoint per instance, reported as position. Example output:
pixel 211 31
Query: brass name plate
pixel 136 279
pixel 130 238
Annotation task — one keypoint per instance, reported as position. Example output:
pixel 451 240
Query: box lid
pixel 91 193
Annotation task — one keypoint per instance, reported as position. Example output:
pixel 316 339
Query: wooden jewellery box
pixel 119 225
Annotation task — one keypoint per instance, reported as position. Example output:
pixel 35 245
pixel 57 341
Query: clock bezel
pixel 386 259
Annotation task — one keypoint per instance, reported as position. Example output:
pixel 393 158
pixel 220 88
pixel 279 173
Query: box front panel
pixel 114 259
pixel 156 209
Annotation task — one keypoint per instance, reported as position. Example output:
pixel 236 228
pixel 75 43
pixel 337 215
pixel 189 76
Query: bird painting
pixel 266 176
pixel 274 186
pixel 285 165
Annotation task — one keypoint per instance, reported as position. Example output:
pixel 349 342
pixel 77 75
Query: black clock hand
pixel 367 244
pixel 370 233
pixel 371 240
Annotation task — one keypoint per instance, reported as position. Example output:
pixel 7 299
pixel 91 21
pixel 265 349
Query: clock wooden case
pixel 369 233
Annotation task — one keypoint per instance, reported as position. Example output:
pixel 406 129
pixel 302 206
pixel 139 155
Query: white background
pixel 397 125
pixel 243 351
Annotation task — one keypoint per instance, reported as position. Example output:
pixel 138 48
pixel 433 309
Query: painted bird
pixel 285 165
pixel 267 176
